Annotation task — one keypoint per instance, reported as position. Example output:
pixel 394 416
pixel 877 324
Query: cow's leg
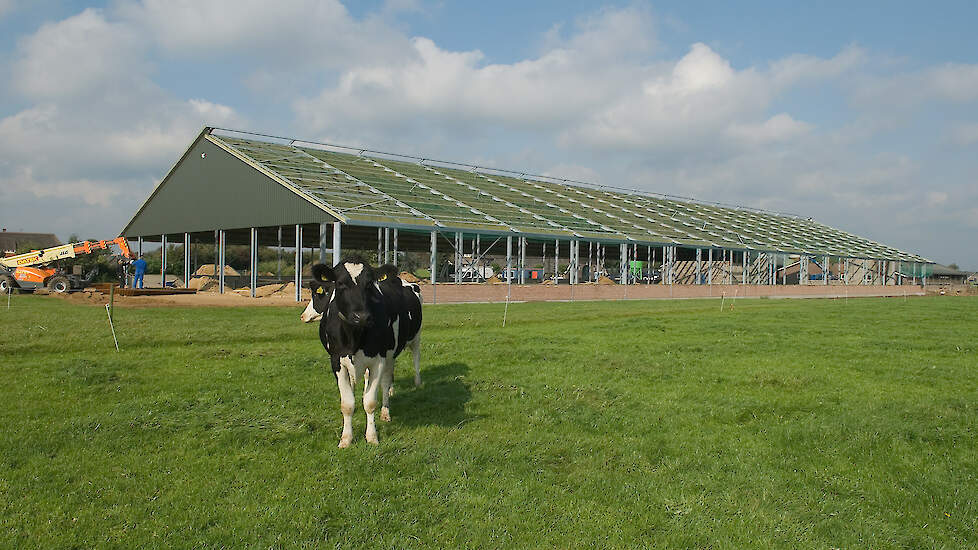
pixel 416 353
pixel 387 388
pixel 370 397
pixel 345 378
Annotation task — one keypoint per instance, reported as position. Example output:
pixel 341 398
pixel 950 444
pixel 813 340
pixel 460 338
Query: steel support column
pixel 623 264
pixel 699 266
pixel 186 259
pixel 709 266
pixel 394 259
pixel 253 269
pixel 556 261
pixel 297 277
pixel 509 259
pixel 221 252
pixel 521 277
pixel 433 260
pixel 323 241
pixel 337 238
pixel 139 246
pixel 380 245
pixel 163 262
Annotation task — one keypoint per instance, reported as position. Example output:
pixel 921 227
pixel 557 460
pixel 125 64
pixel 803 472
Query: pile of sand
pixel 408 277
pixel 209 270
pixel 202 284
pixel 602 280
pixel 268 290
pixel 494 281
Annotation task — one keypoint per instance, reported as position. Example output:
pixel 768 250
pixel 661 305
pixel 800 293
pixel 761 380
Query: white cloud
pixel 280 37
pixel 6 6
pixel 77 57
pixel 97 129
pixel 963 134
pixel 599 100
pixel 780 127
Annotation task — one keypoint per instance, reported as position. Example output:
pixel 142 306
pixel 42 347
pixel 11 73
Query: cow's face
pixel 346 287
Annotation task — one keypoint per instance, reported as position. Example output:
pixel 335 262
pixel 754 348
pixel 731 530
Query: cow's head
pixel 345 286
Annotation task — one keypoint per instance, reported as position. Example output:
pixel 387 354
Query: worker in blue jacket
pixel 140 267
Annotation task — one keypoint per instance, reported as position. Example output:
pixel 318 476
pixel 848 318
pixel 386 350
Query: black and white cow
pixel 367 317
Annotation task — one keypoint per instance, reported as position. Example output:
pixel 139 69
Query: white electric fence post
pixel 108 314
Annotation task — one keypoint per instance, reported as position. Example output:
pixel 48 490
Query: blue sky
pixel 862 115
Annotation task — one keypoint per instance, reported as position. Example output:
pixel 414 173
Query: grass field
pixel 665 424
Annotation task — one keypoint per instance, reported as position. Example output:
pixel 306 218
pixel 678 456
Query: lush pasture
pixel 792 424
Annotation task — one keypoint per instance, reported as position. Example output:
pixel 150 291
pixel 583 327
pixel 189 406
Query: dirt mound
pixel 288 291
pixel 494 281
pixel 208 270
pixel 602 280
pixel 268 290
pixel 202 283
pixel 84 297
pixel 408 277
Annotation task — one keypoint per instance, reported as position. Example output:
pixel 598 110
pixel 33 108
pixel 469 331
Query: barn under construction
pixel 232 187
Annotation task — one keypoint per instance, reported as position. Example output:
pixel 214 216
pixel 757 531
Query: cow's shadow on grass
pixel 439 402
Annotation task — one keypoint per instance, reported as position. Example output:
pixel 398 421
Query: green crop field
pixel 661 424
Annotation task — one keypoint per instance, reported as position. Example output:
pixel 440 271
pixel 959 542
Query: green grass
pixel 665 424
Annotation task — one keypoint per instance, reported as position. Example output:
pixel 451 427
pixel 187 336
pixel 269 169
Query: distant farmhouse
pixel 949 275
pixel 10 241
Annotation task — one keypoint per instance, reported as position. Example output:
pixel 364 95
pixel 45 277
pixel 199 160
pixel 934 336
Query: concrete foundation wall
pixel 450 293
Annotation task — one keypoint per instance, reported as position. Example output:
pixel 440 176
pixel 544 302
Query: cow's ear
pixel 313 286
pixel 323 273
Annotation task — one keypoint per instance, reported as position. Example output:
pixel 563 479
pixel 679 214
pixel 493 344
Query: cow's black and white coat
pixel 367 317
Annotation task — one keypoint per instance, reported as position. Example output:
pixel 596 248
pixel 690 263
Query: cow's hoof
pixel 345 442
pixel 385 414
pixel 390 392
pixel 372 437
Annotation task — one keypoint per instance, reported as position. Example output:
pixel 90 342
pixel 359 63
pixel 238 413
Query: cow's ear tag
pixel 382 278
pixel 319 290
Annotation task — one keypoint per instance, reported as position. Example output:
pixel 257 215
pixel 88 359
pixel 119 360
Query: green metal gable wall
pixel 210 189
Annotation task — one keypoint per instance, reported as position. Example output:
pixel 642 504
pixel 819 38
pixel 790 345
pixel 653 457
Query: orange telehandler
pixel 40 268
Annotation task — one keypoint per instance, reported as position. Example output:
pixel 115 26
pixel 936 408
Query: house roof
pixel 10 241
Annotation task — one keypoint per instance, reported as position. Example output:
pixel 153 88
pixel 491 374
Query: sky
pixel 863 116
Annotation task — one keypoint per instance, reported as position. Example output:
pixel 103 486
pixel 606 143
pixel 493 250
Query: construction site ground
pixel 284 294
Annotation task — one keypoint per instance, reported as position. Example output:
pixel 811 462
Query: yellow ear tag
pixel 382 278
pixel 319 290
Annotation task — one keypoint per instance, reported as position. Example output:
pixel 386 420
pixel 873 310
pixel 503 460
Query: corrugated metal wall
pixel 211 189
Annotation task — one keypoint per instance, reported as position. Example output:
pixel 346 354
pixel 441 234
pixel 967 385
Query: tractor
pixel 41 269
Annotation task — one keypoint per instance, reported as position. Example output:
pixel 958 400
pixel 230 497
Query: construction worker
pixel 140 269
